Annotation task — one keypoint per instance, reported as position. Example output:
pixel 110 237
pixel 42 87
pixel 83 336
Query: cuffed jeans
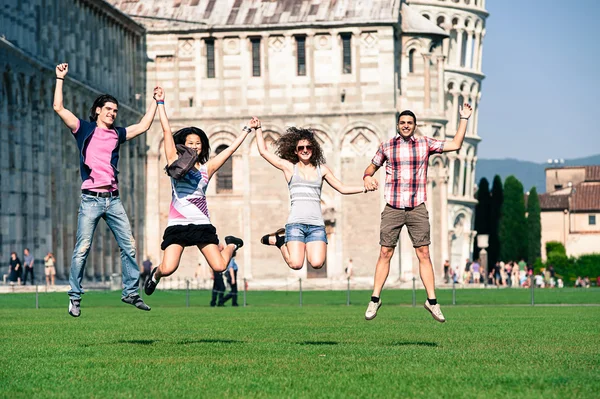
pixel 112 211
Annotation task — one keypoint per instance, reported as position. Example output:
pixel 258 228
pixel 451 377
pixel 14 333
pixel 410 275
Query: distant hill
pixel 529 173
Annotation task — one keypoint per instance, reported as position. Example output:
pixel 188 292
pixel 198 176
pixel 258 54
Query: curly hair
pixel 180 136
pixel 286 145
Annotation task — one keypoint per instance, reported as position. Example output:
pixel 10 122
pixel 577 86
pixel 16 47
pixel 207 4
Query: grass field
pixel 274 348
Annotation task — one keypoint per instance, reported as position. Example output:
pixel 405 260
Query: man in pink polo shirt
pixel 98 141
pixel 407 158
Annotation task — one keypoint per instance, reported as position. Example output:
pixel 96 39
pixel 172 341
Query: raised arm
pixel 169 143
pixel 145 123
pixel 67 116
pixel 215 163
pixel 338 185
pixel 369 181
pixel 456 142
pixel 271 158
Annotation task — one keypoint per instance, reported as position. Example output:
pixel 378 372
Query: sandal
pixel 279 239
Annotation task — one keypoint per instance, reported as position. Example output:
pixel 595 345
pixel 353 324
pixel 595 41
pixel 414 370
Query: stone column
pixel 427 83
pixel 472 191
pixel 454 112
pixel 477 49
pixel 440 88
pixel 480 57
pixel 469 57
pixel 461 176
pixel 467 179
pixel 459 49
pixel 310 67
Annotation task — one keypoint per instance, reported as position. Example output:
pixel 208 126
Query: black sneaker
pixel 235 241
pixel 150 285
pixel 74 309
pixel 135 300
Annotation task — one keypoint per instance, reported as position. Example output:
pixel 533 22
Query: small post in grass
pixel 37 300
pixel 300 283
pixel 532 289
pixel 245 290
pixel 414 296
pixel 187 296
pixel 454 292
pixel 348 294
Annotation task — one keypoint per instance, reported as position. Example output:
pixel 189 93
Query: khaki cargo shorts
pixel 416 220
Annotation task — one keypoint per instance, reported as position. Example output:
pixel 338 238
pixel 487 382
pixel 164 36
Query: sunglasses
pixel 302 147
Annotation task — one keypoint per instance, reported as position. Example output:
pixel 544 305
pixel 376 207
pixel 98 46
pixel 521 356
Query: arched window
pixel 411 60
pixel 461 101
pixel 440 21
pixel 426 16
pixel 225 174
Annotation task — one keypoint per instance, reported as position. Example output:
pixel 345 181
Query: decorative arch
pixel 359 141
pixel 217 138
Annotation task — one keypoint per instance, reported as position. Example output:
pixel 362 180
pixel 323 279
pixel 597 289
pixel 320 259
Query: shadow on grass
pixel 137 341
pixel 209 341
pixel 413 343
pixel 318 343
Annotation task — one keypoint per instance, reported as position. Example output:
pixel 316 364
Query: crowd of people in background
pixel 508 274
pixel 19 271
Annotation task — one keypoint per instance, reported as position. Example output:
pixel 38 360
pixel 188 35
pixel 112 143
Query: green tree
pixel 494 222
pixel 534 227
pixel 513 224
pixel 482 212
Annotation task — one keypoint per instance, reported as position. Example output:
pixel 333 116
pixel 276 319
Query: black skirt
pixel 190 235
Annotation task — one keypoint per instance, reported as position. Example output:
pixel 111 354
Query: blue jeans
pixel 112 211
pixel 305 233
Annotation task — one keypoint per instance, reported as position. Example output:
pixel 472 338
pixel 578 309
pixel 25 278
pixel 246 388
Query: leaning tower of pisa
pixel 454 59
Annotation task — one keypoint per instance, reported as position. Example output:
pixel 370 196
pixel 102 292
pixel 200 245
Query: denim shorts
pixel 305 233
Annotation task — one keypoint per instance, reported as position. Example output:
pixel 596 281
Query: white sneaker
pixel 435 311
pixel 372 309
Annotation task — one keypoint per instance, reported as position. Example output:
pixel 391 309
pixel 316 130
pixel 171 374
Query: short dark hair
pixel 406 112
pixel 180 136
pixel 99 102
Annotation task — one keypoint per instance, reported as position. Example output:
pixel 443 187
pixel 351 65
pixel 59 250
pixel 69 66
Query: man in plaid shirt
pixel 406 159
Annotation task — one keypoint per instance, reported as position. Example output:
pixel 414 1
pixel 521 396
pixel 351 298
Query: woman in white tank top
pixel 300 157
pixel 189 220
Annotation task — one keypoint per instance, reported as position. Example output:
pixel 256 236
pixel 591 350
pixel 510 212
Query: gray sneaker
pixel 74 309
pixel 135 300
pixel 435 311
pixel 372 309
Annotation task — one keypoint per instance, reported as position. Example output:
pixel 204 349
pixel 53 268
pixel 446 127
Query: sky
pixel 541 95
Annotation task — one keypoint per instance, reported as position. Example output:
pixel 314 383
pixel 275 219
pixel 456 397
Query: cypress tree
pixel 534 227
pixel 482 212
pixel 494 223
pixel 513 224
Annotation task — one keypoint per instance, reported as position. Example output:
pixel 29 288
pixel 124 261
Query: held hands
pixel 159 94
pixel 465 111
pixel 61 70
pixel 254 123
pixel 371 183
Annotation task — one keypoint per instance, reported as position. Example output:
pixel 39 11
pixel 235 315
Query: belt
pixel 101 195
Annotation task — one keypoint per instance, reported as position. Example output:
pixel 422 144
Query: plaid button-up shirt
pixel 406 168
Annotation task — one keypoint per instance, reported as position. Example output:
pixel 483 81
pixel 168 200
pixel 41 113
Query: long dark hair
pixel 99 102
pixel 286 145
pixel 180 136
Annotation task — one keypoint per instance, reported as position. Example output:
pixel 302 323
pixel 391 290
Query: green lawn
pixel 274 348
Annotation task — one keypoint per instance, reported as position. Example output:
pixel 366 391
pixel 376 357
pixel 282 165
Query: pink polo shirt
pixel 97 157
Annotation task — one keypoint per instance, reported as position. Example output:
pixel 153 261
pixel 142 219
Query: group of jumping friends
pixel 298 155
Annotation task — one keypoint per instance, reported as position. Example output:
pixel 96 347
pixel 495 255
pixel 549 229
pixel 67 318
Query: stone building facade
pixel 571 209
pixel 40 185
pixel 344 69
